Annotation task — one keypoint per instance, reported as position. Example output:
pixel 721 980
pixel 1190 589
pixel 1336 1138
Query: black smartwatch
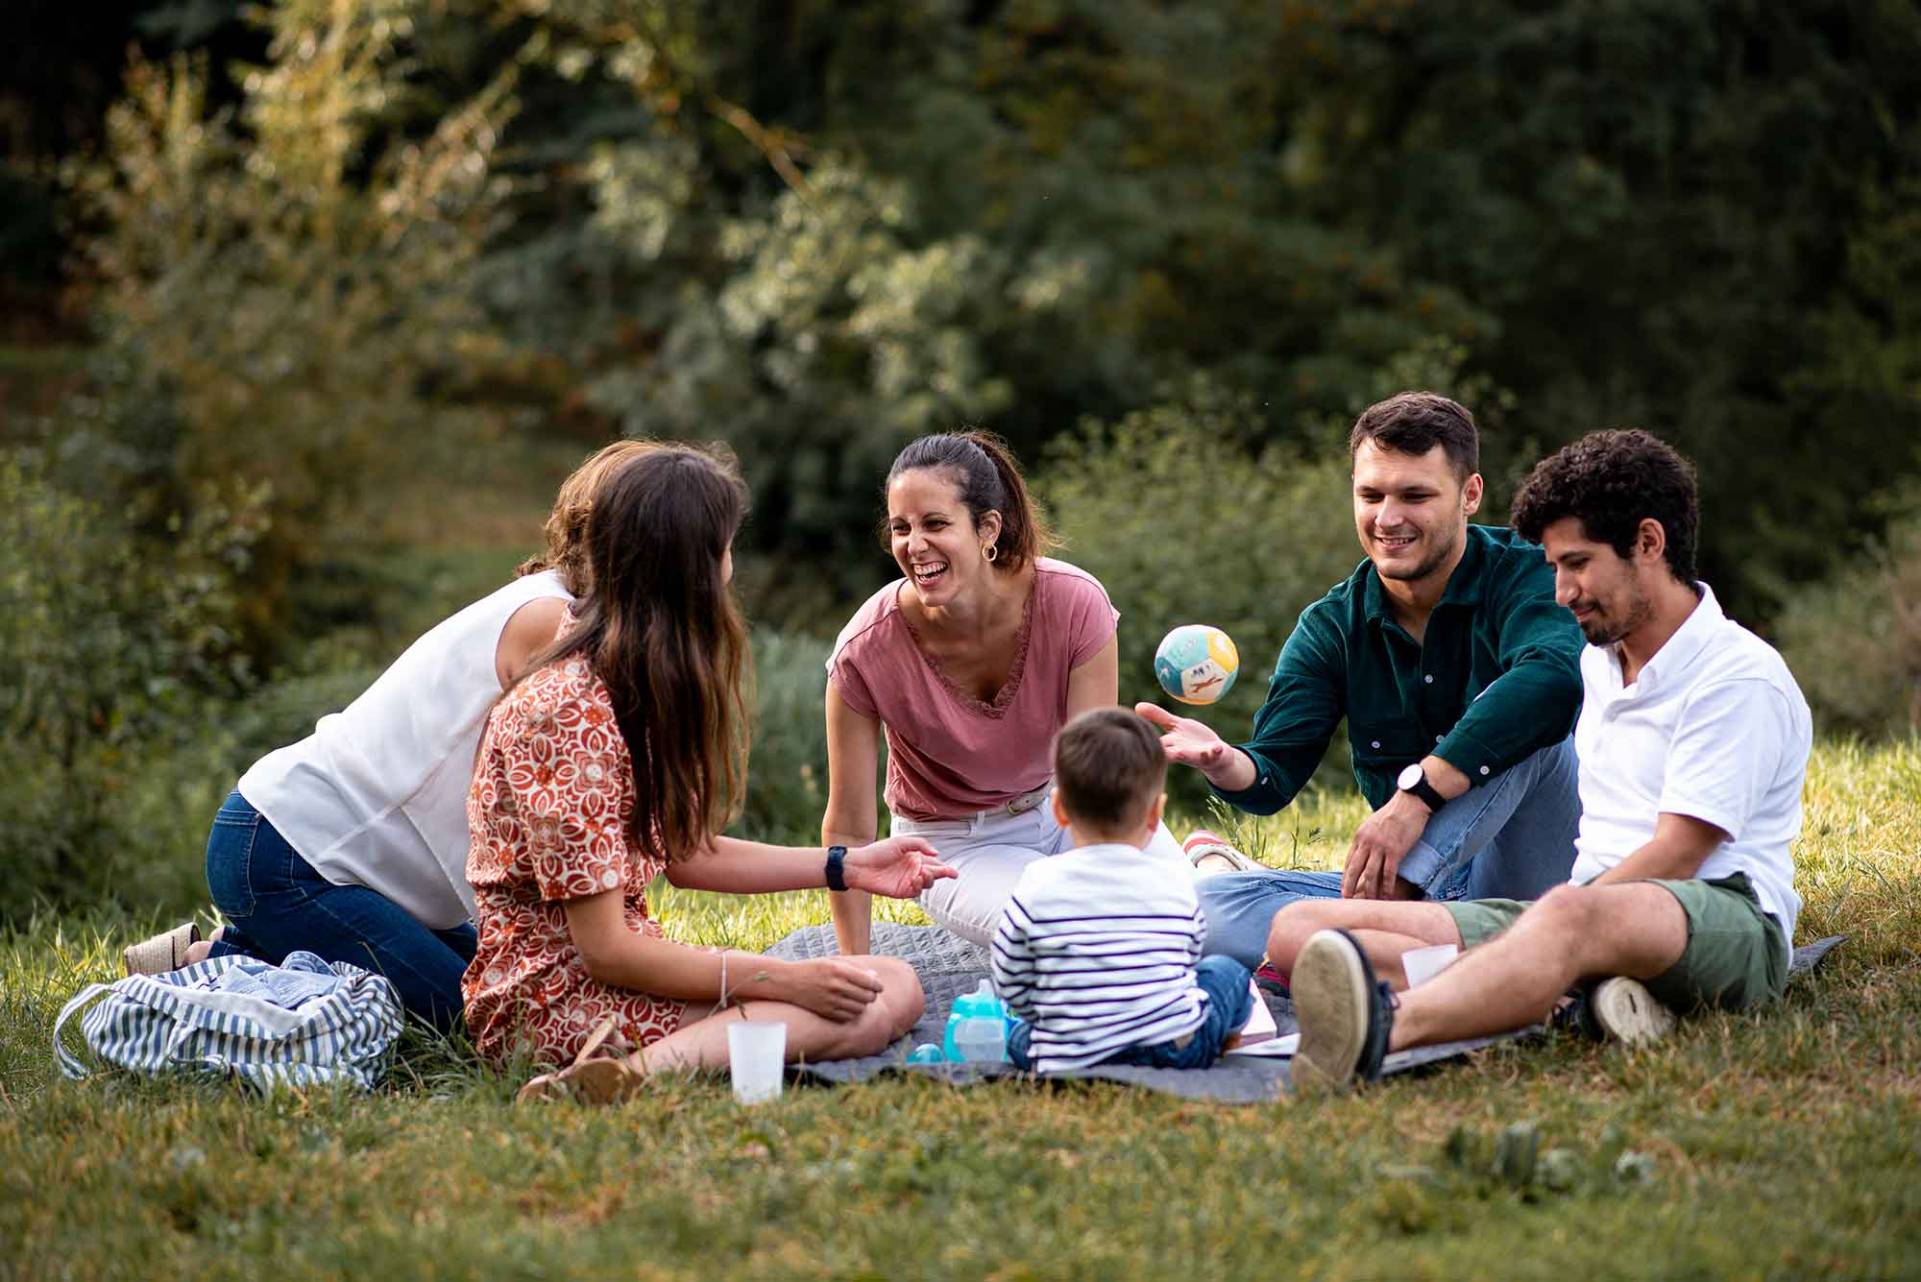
pixel 1414 780
pixel 836 868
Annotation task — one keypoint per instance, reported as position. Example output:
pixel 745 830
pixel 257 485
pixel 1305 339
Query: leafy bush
pixel 281 286
pixel 111 648
pixel 1182 526
pixel 787 770
pixel 1854 640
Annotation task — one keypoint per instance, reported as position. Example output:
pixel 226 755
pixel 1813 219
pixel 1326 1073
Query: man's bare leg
pixel 1634 929
pixel 1347 1027
pixel 1385 929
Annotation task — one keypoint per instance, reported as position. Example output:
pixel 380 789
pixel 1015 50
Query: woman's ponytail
pixel 1024 533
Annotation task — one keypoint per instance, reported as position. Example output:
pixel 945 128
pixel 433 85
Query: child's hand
pixel 899 867
pixel 831 987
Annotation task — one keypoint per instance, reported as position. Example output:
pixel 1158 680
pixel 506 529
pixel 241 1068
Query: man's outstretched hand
pixel 1194 743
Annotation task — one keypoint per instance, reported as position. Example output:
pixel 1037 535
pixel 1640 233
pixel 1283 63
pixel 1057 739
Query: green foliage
pixel 815 229
pixel 787 766
pixel 1181 525
pixel 1690 219
pixel 1012 219
pixel 839 335
pixel 1854 640
pixel 111 648
pixel 1686 218
pixel 281 290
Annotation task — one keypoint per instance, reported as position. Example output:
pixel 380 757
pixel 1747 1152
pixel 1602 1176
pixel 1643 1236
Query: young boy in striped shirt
pixel 1099 950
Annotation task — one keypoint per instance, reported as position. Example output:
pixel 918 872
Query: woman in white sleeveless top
pixel 352 843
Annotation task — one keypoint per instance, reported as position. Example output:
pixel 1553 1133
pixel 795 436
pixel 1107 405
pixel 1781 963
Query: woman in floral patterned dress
pixel 619 757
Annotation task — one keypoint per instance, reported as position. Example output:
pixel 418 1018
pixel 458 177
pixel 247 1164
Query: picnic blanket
pixel 949 966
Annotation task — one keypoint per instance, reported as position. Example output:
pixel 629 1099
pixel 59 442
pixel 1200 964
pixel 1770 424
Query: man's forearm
pixel 1444 778
pixel 1236 772
pixel 1658 860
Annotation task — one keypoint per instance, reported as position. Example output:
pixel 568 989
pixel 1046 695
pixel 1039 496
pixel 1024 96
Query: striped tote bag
pixel 205 1020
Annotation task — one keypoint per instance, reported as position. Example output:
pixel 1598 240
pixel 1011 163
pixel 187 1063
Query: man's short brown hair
pixel 1414 423
pixel 1109 769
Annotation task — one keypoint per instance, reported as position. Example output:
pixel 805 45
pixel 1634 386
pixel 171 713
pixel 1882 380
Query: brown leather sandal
pixel 599 1074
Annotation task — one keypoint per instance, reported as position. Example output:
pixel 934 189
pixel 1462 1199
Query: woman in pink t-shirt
pixel 970 664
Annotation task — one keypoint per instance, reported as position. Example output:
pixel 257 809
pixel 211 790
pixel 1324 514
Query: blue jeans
pixel 275 904
pixel 1230 1000
pixel 1511 838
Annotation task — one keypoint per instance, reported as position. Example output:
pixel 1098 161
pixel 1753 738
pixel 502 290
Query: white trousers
pixel 991 849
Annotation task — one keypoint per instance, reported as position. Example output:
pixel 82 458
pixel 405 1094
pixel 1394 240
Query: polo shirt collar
pixel 1689 640
pixel 1463 586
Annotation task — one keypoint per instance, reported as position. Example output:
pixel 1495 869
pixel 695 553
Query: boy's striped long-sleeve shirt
pixel 1096 950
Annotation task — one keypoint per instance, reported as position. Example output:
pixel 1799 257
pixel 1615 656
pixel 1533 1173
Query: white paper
pixel 1272 1048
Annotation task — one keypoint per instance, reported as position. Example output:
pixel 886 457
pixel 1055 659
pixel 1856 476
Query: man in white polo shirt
pixel 1693 742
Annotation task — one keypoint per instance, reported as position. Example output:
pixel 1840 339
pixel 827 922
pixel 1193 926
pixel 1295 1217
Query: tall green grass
pixel 1775 1144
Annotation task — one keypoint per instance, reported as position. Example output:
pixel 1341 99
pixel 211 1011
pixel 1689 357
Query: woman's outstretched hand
pixel 898 867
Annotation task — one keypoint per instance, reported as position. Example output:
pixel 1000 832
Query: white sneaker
pixel 1628 1012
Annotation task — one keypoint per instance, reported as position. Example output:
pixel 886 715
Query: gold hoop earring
pixel 990 553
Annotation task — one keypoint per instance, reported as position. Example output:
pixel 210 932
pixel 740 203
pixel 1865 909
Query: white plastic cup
pixel 1423 964
pixel 756 1052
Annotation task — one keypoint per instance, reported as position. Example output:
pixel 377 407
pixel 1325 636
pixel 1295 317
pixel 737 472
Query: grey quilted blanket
pixel 949 966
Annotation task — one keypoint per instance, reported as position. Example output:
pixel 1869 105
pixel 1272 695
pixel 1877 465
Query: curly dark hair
pixel 1611 482
pixel 1414 423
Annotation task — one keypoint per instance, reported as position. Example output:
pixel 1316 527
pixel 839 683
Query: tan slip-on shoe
pixel 162 953
pixel 1346 1015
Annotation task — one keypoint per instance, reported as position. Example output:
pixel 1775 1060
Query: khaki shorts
pixel 1735 957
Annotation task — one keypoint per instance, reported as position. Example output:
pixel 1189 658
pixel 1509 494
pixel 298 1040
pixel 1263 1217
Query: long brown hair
pixel 989 480
pixel 660 628
pixel 566 527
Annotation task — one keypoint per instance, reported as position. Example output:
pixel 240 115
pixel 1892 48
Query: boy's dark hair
pixel 1109 767
pixel 1610 482
pixel 1414 423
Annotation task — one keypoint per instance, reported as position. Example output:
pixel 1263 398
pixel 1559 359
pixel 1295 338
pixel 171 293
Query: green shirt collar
pixel 1463 586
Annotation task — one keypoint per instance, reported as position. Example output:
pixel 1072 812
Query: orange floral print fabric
pixel 552 795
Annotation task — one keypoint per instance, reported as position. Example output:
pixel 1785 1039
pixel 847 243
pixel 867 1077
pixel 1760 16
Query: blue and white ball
pixel 1197 663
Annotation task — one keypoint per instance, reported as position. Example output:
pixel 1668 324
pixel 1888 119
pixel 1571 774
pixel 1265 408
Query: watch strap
pixel 1425 791
pixel 837 868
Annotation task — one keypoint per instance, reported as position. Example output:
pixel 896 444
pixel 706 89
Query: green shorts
pixel 1735 956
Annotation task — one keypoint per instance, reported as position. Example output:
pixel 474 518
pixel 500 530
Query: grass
pixel 1781 1144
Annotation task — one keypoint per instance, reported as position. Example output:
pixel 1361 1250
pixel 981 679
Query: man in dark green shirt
pixel 1458 675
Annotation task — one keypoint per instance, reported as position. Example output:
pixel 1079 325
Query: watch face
pixel 1411 776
